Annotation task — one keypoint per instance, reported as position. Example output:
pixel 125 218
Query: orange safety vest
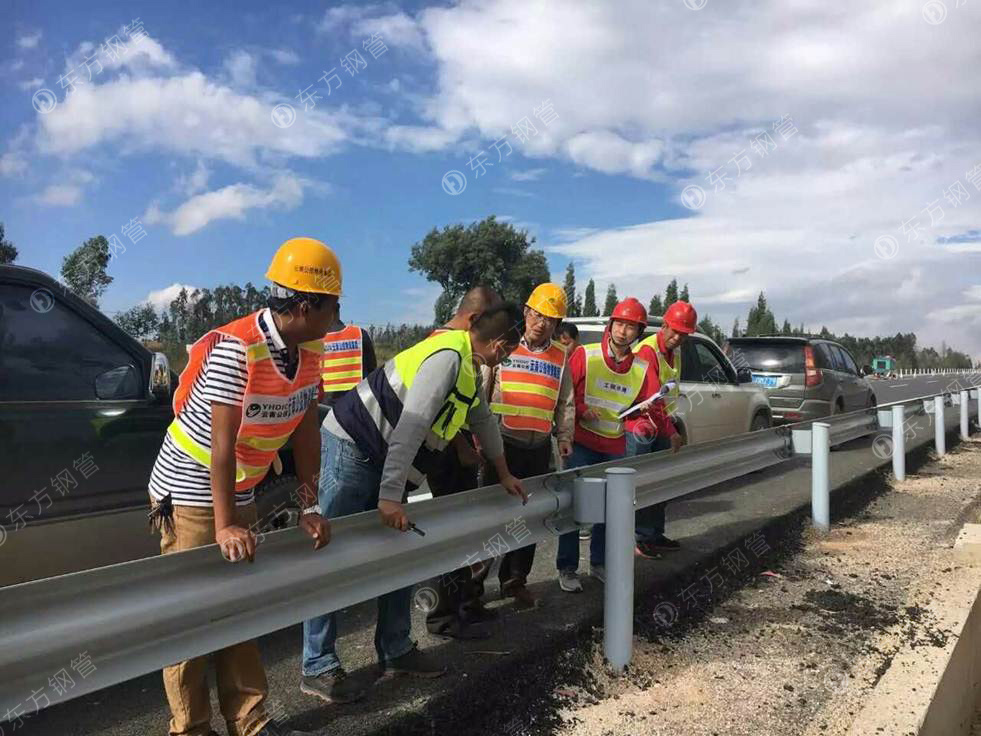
pixel 272 406
pixel 342 364
pixel 530 388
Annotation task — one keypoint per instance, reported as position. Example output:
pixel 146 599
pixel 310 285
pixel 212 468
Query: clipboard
pixel 665 389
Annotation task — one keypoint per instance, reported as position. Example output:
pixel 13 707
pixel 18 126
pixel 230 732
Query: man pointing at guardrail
pixel 248 387
pixel 377 444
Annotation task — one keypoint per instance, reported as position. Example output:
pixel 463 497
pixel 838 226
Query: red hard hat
pixel 681 317
pixel 630 310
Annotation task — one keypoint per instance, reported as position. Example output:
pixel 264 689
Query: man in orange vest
pixel 656 431
pixel 531 391
pixel 607 378
pixel 248 387
pixel 349 356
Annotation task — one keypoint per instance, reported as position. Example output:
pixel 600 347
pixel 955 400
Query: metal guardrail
pixel 136 617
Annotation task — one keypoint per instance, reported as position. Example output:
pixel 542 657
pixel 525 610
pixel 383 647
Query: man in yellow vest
pixel 248 387
pixel 656 431
pixel 378 444
pixel 607 378
pixel 531 391
pixel 349 356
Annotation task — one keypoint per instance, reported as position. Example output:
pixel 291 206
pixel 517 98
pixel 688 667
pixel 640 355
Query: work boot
pixel 333 686
pixel 463 631
pixel 478 613
pixel 414 663
pixel 598 572
pixel 647 551
pixel 662 542
pixel 523 597
pixel 569 582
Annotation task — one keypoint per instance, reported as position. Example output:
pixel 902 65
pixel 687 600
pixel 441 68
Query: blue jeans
pixel 348 485
pixel 649 521
pixel 567 559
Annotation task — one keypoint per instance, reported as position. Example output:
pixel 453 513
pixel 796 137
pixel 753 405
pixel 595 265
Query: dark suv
pixel 83 410
pixel 805 378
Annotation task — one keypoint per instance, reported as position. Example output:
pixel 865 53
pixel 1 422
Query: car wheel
pixel 760 421
pixel 277 503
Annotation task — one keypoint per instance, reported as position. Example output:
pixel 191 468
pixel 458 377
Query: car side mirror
pixel 117 383
pixel 744 375
pixel 160 385
pixel 866 370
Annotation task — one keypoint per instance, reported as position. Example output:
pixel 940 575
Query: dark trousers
pixel 523 462
pixel 649 521
pixel 454 590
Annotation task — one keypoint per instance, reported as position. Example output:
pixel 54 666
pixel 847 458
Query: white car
pixel 716 399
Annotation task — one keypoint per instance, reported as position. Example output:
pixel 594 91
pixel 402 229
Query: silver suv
pixel 716 399
pixel 805 378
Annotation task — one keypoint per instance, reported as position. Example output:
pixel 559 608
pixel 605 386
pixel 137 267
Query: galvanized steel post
pixel 965 412
pixel 821 476
pixel 939 426
pixel 899 442
pixel 618 595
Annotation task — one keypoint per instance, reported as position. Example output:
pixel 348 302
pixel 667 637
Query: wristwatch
pixel 315 509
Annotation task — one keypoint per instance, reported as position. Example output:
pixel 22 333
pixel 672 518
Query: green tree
pixel 656 307
pixel 573 300
pixel 760 320
pixel 786 329
pixel 589 303
pixel 488 252
pixel 84 269
pixel 671 293
pixel 684 294
pixel 140 321
pixel 611 300
pixel 8 251
pixel 735 329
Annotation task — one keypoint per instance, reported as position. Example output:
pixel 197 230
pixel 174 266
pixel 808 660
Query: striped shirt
pixel 222 379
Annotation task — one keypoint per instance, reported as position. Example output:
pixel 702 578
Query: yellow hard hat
pixel 548 299
pixel 308 265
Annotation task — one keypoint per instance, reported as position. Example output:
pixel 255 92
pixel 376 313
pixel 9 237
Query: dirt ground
pixel 798 649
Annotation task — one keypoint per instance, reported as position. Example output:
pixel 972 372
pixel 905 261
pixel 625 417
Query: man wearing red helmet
pixel 607 377
pixel 656 431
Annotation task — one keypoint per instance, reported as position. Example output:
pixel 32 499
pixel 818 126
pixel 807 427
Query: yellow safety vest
pixel 666 372
pixel 610 392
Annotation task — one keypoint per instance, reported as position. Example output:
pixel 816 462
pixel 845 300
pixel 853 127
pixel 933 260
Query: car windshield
pixel 769 358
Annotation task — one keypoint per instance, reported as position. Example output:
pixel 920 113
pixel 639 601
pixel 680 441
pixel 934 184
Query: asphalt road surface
pixel 478 695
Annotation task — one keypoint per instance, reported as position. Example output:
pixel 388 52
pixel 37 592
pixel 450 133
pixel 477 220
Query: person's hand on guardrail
pixel 317 527
pixel 236 543
pixel 393 515
pixel 677 441
pixel 514 488
pixel 565 449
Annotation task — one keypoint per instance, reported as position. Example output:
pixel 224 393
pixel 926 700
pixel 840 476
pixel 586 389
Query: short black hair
pixel 567 328
pixel 284 305
pixel 502 321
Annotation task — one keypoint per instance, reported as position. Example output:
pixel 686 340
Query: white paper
pixel 661 393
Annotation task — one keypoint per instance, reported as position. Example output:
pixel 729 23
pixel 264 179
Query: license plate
pixel 766 381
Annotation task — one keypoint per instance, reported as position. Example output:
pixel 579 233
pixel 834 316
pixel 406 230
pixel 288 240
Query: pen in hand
pixel 416 529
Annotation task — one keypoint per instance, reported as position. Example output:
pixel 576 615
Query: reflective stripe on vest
pixel 272 405
pixel 342 364
pixel 610 392
pixel 370 412
pixel 666 372
pixel 530 384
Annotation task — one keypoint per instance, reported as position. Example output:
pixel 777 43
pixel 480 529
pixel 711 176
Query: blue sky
pixel 821 141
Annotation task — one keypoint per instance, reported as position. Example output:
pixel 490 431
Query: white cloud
pixel 196 181
pixel 31 83
pixel 230 202
pixel 142 57
pixel 608 152
pixel 527 175
pixel 161 298
pixel 284 56
pixel 241 68
pixel 12 163
pixel 396 30
pixel 29 40
pixel 67 191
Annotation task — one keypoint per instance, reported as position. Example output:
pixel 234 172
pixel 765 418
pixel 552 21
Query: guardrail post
pixel 899 442
pixel 618 594
pixel 820 476
pixel 939 426
pixel 965 413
